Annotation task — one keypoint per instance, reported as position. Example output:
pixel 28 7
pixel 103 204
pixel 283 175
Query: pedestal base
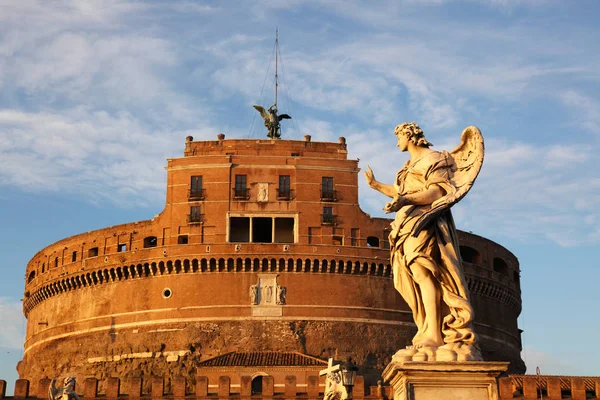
pixel 471 380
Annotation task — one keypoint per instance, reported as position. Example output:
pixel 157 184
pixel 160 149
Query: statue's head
pixel 413 132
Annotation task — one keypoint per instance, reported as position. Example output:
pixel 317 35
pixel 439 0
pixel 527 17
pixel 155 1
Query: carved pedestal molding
pixel 475 380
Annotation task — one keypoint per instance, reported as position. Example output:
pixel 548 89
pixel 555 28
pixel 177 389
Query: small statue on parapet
pixel 272 120
pixel 334 390
pixel 66 393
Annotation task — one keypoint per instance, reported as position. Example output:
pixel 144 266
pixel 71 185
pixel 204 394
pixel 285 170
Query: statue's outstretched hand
pixel 370 176
pixel 396 204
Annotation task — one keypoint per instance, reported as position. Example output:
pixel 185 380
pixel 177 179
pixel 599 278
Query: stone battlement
pixel 530 387
pixel 179 387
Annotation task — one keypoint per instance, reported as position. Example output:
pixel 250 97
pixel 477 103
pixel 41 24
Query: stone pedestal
pixel 468 380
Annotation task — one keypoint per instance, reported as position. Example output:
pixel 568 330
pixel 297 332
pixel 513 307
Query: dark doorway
pixel 257 384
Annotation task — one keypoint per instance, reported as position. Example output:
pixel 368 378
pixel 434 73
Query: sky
pixel 96 95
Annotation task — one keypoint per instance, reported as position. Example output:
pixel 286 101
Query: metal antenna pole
pixel 276 59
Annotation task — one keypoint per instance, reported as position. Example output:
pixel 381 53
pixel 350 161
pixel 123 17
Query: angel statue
pixel 272 120
pixel 66 393
pixel 424 255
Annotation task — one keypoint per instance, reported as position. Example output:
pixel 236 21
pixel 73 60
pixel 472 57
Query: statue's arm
pixel 420 198
pixel 388 190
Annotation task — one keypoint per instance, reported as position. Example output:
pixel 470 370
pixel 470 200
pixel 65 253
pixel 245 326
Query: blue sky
pixel 95 95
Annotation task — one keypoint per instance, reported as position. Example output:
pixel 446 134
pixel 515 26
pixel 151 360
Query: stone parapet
pixel 531 387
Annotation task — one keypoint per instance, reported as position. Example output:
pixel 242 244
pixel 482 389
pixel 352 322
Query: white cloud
pixel 12 334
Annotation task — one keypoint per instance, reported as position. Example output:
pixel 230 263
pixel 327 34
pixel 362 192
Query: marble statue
pixel 425 255
pixel 272 120
pixel 66 393
pixel 253 292
pixel 281 291
pixel 334 390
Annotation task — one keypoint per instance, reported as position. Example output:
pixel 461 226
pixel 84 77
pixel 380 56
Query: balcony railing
pixel 328 195
pixel 241 194
pixel 196 194
pixel 195 218
pixel 327 219
pixel 285 194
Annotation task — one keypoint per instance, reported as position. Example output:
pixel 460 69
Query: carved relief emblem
pixel 266 292
pixel 263 192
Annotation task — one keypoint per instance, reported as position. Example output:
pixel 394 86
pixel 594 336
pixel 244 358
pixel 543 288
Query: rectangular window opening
pixel 338 240
pixel 240 190
pixel 283 191
pixel 327 192
pixel 74 256
pixel 93 252
pixel 182 239
pixel 354 236
pixel 196 187
pixel 121 247
pixel 284 230
pixel 239 229
pixel 195 216
pixel 262 230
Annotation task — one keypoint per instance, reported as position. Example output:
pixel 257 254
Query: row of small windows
pixel 470 255
pixel 241 190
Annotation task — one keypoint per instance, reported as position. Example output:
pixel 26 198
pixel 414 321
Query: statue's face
pixel 402 141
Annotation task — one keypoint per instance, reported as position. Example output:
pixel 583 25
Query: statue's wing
pixel 284 116
pixel 53 392
pixel 468 157
pixel 262 112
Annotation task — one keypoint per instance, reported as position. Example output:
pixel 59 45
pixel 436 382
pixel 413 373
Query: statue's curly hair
pixel 414 133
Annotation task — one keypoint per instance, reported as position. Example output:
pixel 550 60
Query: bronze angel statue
pixel 272 120
pixel 424 248
pixel 66 393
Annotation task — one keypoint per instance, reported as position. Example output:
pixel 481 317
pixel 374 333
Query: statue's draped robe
pixel 436 242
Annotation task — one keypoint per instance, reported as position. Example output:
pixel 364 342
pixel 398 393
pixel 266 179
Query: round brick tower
pixel 261 246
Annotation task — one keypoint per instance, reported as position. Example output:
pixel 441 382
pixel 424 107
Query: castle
pixel 260 266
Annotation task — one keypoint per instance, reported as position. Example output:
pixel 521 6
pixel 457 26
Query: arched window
pixel 373 241
pixel 500 266
pixel 470 255
pixel 150 241
pixel 257 385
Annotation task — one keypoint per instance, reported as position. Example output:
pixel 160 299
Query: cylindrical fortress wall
pixel 151 296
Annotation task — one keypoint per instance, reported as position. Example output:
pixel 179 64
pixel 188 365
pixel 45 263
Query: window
pixel 240 190
pixel 150 241
pixel 354 236
pixel 239 229
pixel 470 255
pixel 500 266
pixel 56 262
pixel 43 267
pixel 261 229
pixel 328 217
pixel 373 241
pixel 31 276
pixel 182 239
pixel 74 256
pixel 121 247
pixel 284 187
pixel 338 240
pixel 284 230
pixel 195 217
pixel 196 191
pixel 93 252
pixel 327 192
